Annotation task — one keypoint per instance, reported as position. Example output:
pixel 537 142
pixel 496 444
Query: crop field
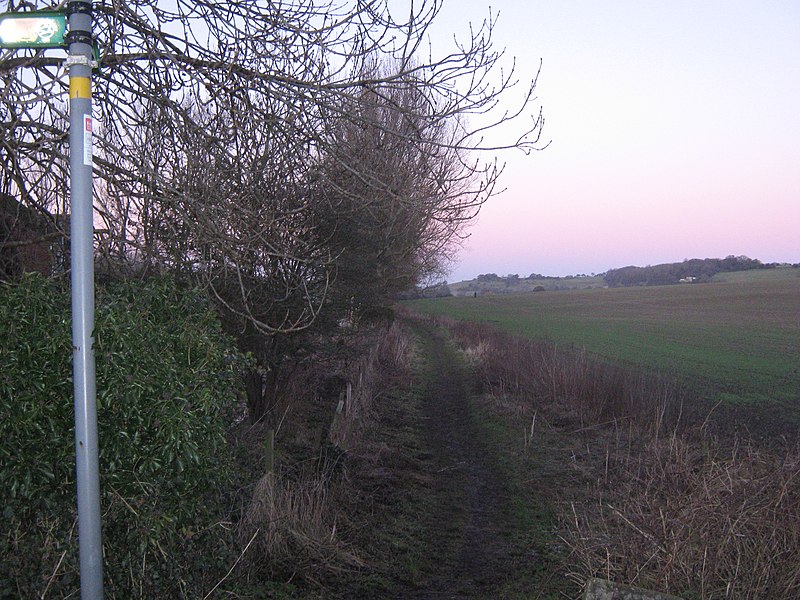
pixel 737 338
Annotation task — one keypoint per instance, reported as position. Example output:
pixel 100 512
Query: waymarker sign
pixel 38 29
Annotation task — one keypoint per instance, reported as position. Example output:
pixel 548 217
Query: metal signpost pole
pixel 46 29
pixel 80 61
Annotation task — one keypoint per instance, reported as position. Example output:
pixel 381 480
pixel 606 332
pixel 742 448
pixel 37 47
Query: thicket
pixel 166 381
pixel 301 162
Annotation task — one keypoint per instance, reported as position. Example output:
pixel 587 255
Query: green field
pixel 737 337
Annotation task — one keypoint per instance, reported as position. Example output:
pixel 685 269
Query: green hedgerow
pixel 166 383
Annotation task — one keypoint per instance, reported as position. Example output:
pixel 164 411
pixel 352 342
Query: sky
pixel 674 129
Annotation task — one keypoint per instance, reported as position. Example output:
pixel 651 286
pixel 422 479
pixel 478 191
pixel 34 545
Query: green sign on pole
pixel 39 29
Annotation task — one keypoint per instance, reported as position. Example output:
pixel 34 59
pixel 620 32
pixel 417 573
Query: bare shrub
pixel 387 362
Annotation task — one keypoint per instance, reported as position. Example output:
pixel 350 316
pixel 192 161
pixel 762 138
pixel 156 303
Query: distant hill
pixel 514 284
pixel 696 270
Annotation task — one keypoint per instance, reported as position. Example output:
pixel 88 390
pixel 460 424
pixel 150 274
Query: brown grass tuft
pixel 294 525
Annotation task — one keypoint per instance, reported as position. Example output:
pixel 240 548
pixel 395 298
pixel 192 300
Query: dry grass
pixel 672 507
pixel 710 521
pixel 388 362
pixel 291 524
pixel 294 527
pixel 539 373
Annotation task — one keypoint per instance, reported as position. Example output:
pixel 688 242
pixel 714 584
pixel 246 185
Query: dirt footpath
pixel 468 529
pixel 450 516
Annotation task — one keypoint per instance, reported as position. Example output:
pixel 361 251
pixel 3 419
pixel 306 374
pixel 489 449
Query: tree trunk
pixel 261 394
pixel 256 402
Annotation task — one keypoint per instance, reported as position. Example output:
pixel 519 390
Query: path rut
pixel 468 529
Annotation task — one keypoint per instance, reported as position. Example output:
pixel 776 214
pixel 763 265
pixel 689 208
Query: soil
pixel 449 507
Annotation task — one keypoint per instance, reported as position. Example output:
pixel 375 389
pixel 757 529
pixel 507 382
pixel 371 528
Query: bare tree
pixel 397 191
pixel 237 142
pixel 296 68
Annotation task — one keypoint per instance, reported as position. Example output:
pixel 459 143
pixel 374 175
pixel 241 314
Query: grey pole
pixel 80 60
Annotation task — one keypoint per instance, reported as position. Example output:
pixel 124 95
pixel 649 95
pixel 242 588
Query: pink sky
pixel 675 134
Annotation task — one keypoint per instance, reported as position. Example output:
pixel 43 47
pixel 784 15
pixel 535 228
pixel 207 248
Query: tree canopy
pixel 287 157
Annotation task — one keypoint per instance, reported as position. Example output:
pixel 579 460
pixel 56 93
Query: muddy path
pixel 449 517
pixel 468 527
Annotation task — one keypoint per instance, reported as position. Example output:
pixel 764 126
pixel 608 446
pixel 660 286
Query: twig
pixel 53 576
pixel 649 536
pixel 451 467
pixel 236 562
pixel 596 425
pixel 529 439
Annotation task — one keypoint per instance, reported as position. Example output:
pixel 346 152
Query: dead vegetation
pixel 580 387
pixel 695 516
pixel 671 504
pixel 386 362
pixel 292 524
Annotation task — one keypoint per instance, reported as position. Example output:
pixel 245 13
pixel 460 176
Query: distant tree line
pixel 513 277
pixel 440 289
pixel 696 270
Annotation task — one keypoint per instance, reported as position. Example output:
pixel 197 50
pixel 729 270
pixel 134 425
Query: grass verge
pixel 657 500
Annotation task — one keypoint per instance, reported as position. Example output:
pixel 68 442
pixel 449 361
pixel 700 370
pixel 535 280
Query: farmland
pixel 737 338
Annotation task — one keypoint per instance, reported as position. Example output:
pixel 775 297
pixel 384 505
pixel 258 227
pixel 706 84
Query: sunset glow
pixel 675 134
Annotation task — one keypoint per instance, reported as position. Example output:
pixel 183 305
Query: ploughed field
pixel 736 338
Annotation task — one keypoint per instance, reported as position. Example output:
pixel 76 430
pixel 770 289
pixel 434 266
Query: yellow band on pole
pixel 80 87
